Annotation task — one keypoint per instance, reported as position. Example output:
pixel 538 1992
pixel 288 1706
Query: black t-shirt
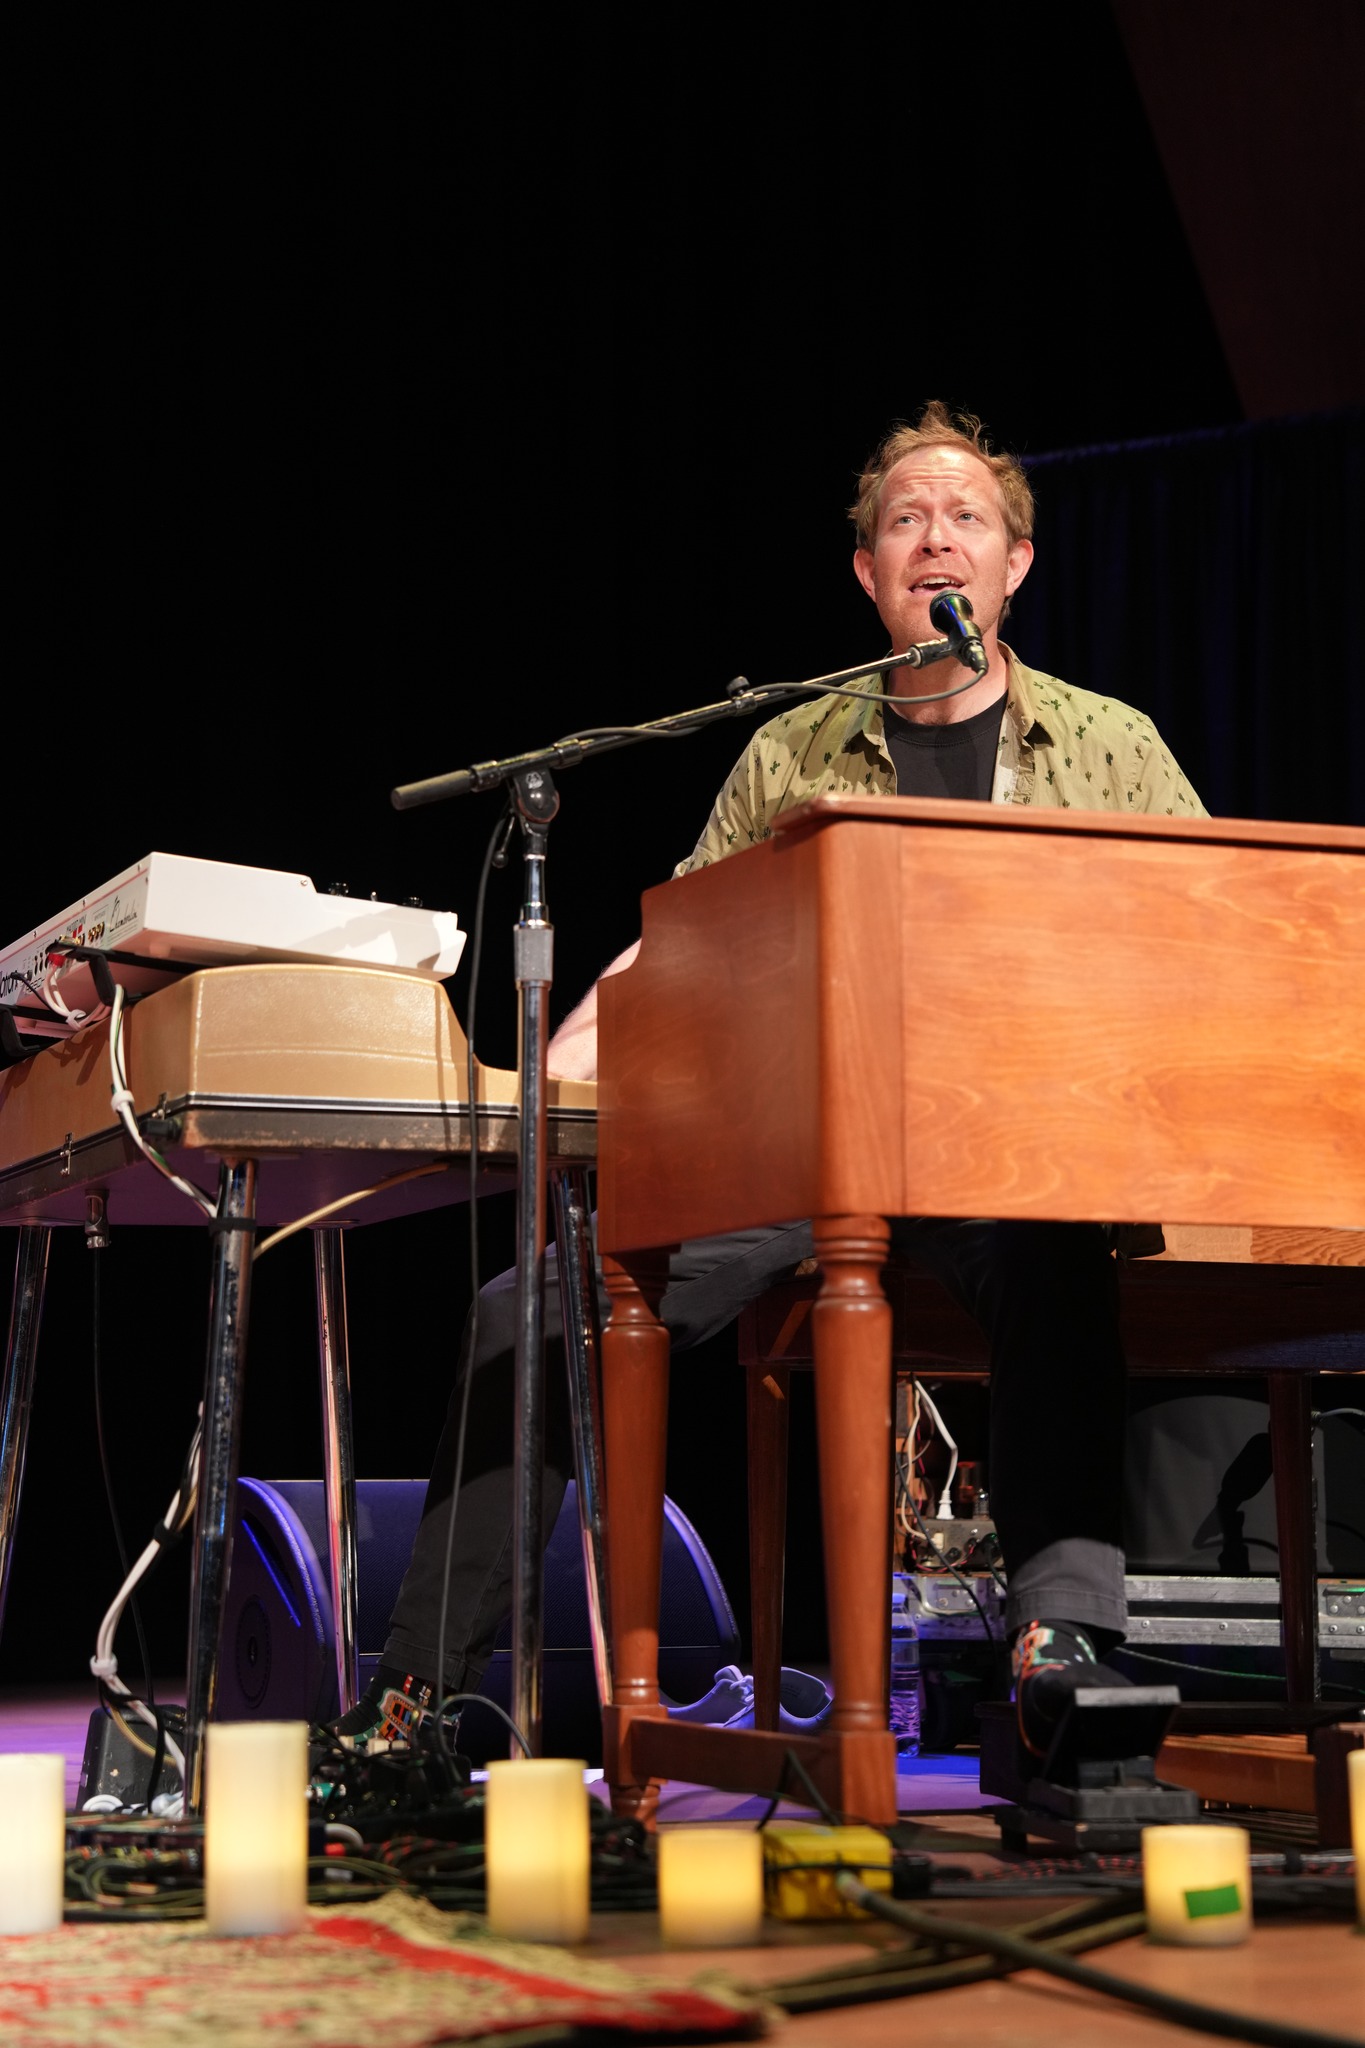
pixel 945 760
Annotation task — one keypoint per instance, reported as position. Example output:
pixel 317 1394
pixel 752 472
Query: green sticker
pixel 1212 1901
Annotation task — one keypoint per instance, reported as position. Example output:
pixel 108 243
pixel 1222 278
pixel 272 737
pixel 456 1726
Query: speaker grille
pixel 253 1652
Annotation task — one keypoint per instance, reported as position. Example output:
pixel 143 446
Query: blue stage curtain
pixel 1214 580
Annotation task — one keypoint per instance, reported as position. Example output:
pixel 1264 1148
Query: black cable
pixel 791 1762
pixel 106 1474
pixel 497 840
pixel 651 730
pixel 1219 1671
pixel 997 1643
pixel 1033 1955
pixel 453 1699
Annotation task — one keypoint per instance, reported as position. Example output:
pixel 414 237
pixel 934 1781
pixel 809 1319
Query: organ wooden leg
pixel 851 1327
pixel 635 1428
pixel 768 1407
pixel 1291 1451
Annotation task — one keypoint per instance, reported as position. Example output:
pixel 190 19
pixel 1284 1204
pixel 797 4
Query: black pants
pixel 1046 1295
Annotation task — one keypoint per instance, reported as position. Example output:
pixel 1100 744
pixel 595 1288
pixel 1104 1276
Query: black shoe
pixel 1052 1661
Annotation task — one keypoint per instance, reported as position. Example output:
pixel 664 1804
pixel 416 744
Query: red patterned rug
pixel 396 1973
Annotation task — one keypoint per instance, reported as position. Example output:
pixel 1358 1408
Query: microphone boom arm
pixel 742 696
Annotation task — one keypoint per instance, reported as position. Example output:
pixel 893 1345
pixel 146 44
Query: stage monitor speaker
pixel 279 1660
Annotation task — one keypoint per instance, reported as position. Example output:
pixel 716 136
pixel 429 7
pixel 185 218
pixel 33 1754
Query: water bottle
pixel 907 1692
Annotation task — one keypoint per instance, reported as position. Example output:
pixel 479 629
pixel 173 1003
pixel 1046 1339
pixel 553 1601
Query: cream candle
pixel 711 1887
pixel 1196 1885
pixel 256 1827
pixel 536 1849
pixel 32 1843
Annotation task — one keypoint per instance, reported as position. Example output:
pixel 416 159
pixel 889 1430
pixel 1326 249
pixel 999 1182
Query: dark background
pixel 396 391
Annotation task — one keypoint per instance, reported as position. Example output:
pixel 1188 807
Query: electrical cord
pixel 122 1098
pixel 923 1397
pixel 104 1663
pixel 494 853
pixel 918 1965
pixel 817 687
pixel 346 1202
pixel 997 1642
pixel 1219 1671
pixel 47 992
pixel 1022 1954
pixel 456 1699
pixel 106 1472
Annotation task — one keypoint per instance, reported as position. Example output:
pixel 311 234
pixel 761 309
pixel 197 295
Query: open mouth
pixel 937 583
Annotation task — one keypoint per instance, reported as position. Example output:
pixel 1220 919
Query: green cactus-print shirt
pixel 1059 747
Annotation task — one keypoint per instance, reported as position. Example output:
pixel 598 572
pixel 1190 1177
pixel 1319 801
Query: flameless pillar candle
pixel 1355 1778
pixel 1196 1885
pixel 711 1887
pixel 32 1843
pixel 256 1827
pixel 536 1849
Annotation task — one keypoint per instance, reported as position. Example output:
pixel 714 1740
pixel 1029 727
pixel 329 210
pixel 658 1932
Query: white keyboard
pixel 209 913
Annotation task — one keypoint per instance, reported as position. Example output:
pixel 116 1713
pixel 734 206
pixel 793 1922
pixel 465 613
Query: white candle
pixel 32 1843
pixel 256 1827
pixel 1355 1779
pixel 1196 1884
pixel 536 1849
pixel 711 1887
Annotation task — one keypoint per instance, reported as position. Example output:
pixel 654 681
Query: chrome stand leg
pixel 338 1456
pixel 16 1402
pixel 533 795
pixel 583 1358
pixel 229 1298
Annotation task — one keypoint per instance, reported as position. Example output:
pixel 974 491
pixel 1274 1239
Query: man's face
pixel 941 526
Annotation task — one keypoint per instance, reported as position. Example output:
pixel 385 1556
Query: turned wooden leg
pixel 768 1386
pixel 1291 1452
pixel 852 1341
pixel 635 1430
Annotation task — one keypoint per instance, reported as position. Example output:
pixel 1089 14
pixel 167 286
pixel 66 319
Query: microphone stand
pixel 534 802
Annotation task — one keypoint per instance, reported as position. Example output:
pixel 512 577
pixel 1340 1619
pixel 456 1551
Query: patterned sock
pixel 389 1709
pixel 1053 1660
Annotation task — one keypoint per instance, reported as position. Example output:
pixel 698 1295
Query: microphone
pixel 951 614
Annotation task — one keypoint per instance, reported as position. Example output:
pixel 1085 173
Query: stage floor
pixel 1304 1970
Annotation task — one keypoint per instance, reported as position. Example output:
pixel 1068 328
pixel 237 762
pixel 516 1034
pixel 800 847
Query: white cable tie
pixel 104 1667
pixel 122 1098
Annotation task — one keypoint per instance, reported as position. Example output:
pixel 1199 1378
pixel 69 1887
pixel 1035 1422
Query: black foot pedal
pixel 1097 1787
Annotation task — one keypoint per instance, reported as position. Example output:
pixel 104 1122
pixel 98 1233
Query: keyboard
pixel 168 912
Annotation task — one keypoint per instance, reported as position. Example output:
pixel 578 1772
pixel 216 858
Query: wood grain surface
pixel 939 1009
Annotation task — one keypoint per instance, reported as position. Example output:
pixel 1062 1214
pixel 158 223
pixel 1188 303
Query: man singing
pixel 936 510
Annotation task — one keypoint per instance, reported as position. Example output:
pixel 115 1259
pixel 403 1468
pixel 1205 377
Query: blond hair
pixel 938 427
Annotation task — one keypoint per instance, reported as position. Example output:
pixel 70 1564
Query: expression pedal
pixel 1097 1786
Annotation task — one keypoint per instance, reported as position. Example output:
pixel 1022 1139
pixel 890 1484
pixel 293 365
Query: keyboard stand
pixel 224 1056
